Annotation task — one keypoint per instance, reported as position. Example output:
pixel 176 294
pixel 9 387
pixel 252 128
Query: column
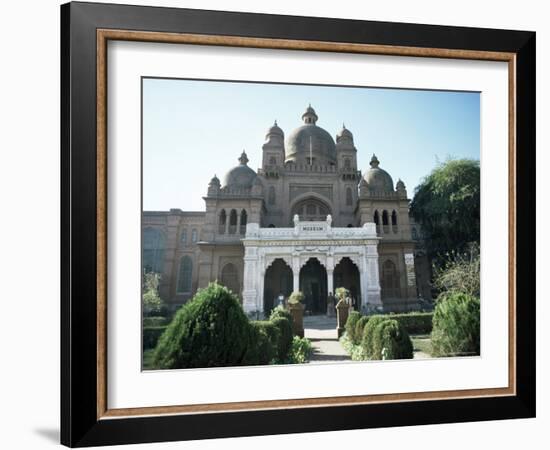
pixel 250 280
pixel 296 273
pixel 330 281
pixel 372 276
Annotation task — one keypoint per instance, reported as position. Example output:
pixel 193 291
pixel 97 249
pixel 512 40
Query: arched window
pixel 243 222
pixel 194 235
pixel 271 195
pixel 310 210
pixel 230 278
pixel 385 221
pixel 232 222
pixel 185 275
pixel 349 197
pixel 376 218
pixel 153 250
pixel 222 222
pixel 183 236
pixel 389 283
pixel 347 163
pixel 272 161
pixel 394 221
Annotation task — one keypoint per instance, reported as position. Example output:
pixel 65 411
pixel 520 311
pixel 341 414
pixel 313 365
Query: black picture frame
pixel 80 425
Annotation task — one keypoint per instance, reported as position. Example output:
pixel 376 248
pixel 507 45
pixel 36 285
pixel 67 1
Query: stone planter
pixel 297 313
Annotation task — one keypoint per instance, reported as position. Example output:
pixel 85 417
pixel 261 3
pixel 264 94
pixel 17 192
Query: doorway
pixel 313 284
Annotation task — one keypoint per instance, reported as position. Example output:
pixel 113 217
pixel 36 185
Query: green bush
pixel 456 325
pixel 300 351
pixel 155 321
pixel 151 335
pixel 284 344
pixel 416 322
pixel 391 341
pixel 368 336
pixel 353 318
pixel 279 311
pixel 263 343
pixel 360 329
pixel 211 330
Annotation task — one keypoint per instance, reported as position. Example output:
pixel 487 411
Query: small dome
pixel 241 176
pixel 275 130
pixel 310 140
pixel 400 185
pixel 344 135
pixel 378 179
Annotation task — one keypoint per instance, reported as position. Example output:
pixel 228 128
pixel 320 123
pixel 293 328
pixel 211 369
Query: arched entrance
pixel 346 274
pixel 313 283
pixel 278 281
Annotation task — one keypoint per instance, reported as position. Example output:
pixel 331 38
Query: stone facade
pixel 309 177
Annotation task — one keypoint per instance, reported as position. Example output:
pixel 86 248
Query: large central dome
pixel 310 141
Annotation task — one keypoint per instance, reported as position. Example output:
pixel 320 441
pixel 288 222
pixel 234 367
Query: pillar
pixel 330 281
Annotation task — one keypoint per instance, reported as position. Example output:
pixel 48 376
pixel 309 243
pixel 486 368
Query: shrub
pixel 300 351
pixel 359 329
pixel 284 343
pixel 415 323
pixel 151 335
pixel 368 336
pixel 341 293
pixel 456 325
pixel 263 343
pixel 296 297
pixel 391 341
pixel 353 318
pixel 279 311
pixel 211 330
pixel 155 321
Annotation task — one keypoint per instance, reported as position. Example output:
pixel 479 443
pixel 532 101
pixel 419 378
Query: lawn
pixel 422 344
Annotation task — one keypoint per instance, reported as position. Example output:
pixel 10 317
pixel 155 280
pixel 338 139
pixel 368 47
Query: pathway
pixel 321 331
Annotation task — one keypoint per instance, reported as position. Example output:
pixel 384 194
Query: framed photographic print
pixel 277 224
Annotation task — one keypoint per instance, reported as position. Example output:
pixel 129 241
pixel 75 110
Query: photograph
pixel 307 224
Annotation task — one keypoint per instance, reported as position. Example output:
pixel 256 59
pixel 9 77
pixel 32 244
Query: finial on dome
pixel 374 163
pixel 310 117
pixel 343 126
pixel 243 158
pixel 275 123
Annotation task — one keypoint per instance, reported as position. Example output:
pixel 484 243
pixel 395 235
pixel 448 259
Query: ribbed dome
pixel 378 179
pixel 275 129
pixel 310 140
pixel 241 176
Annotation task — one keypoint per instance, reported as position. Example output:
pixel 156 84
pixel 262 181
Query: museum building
pixel 306 220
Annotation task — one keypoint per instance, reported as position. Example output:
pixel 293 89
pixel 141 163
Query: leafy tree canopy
pixel 446 205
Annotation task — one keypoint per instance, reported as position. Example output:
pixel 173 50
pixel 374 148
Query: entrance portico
pixel 307 241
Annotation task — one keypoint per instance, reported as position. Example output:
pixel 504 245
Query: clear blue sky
pixel 195 129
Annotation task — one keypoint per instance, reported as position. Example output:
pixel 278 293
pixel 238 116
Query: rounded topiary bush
pixel 211 330
pixel 456 326
pixel 279 311
pixel 368 336
pixel 263 343
pixel 353 318
pixel 360 329
pixel 391 341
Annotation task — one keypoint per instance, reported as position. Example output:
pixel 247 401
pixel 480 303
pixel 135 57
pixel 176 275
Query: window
pixel 183 237
pixel 311 210
pixel 232 222
pixel 376 218
pixel 194 235
pixel 230 278
pixel 271 195
pixel 385 218
pixel 243 222
pixel 389 283
pixel 185 275
pixel 347 163
pixel 349 197
pixel 394 221
pixel 222 221
pixel 153 250
pixel 271 226
pixel 272 161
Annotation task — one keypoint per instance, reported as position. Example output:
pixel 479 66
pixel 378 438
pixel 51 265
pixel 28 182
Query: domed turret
pixel 378 179
pixel 241 176
pixel 310 144
pixel 214 185
pixel 344 136
pixel 274 130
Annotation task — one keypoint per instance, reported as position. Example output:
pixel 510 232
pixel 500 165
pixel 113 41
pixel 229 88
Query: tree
pixel 459 273
pixel 152 302
pixel 446 205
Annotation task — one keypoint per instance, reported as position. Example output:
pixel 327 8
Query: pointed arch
pixel 232 222
pixel 222 222
pixel 394 221
pixel 244 218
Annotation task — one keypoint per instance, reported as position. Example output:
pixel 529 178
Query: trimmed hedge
pixel 263 343
pixel 284 343
pixel 368 336
pixel 151 335
pixel 211 330
pixel 456 326
pixel 279 311
pixel 391 341
pixel 155 321
pixel 416 322
pixel 353 318
pixel 360 329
